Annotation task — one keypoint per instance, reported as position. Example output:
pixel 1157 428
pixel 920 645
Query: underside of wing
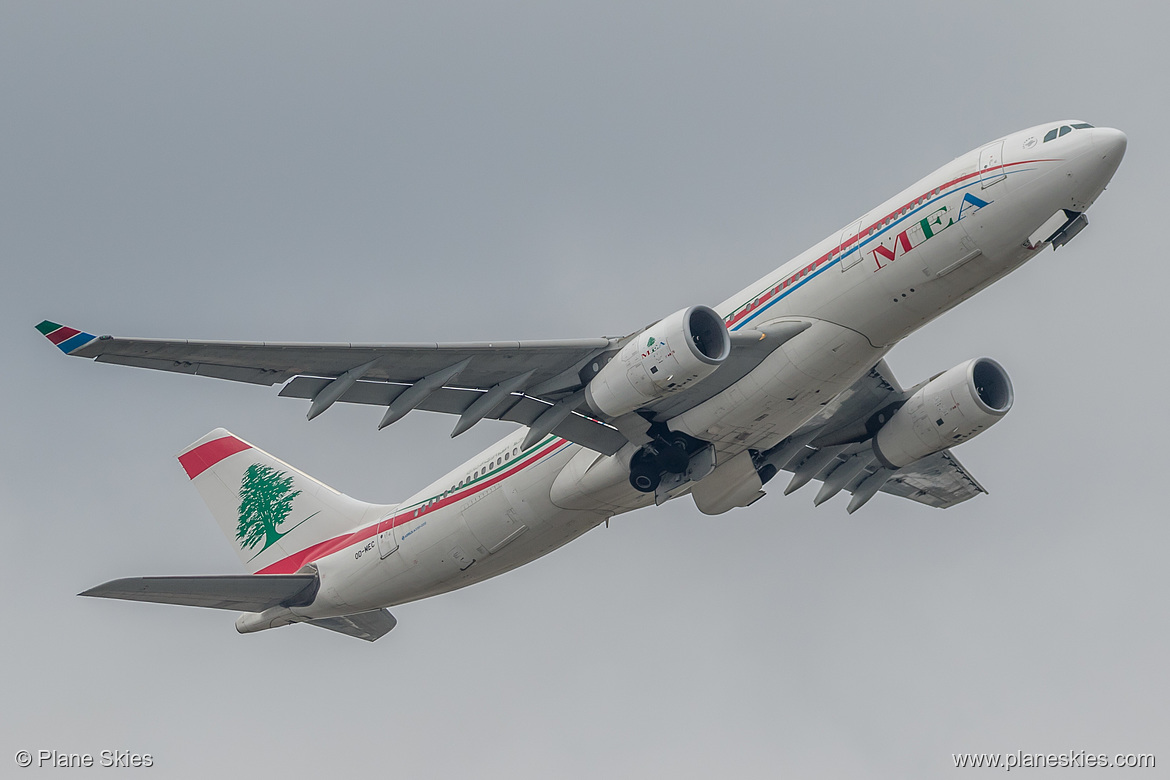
pixel 834 449
pixel 242 593
pixel 938 480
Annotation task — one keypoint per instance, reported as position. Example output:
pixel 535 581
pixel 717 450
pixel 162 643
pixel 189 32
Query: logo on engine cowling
pixel 653 346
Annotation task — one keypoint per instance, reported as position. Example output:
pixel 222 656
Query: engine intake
pixel 955 406
pixel 665 358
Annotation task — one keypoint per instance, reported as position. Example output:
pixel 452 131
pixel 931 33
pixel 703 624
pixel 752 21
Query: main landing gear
pixel 669 453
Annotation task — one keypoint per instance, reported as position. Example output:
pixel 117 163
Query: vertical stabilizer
pixel 268 510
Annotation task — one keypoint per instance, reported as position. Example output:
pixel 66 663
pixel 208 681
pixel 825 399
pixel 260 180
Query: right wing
pixel 267 363
pixel 518 381
pixel 539 384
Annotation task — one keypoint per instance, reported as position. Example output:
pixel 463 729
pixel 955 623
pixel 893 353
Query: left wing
pixel 833 449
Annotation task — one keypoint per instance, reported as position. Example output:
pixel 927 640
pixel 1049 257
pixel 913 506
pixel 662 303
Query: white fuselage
pixel 864 288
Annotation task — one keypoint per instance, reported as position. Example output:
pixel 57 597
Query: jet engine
pixel 665 358
pixel 951 408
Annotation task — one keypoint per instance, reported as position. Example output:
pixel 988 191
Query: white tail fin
pixel 277 517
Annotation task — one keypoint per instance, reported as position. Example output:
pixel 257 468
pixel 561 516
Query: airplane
pixel 787 374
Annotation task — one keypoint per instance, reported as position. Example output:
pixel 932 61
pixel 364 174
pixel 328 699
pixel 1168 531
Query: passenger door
pixel 492 521
pixel 387 537
pixel 991 164
pixel 851 254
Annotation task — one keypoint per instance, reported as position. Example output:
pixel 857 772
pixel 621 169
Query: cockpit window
pixel 1065 130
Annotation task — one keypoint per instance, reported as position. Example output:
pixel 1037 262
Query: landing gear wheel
pixel 645 476
pixel 674 456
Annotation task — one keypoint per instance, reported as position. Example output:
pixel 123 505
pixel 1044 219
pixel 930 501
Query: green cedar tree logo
pixel 266 498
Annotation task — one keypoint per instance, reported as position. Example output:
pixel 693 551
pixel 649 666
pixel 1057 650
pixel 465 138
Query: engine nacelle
pixel 950 409
pixel 667 357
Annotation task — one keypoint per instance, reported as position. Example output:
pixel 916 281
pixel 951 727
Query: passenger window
pixel 1065 130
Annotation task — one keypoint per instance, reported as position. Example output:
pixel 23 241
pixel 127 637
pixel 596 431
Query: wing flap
pixel 242 593
pixel 370 626
pixel 455 400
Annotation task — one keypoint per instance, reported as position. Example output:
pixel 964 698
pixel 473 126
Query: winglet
pixel 67 339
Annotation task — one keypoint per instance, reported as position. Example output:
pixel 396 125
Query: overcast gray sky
pixel 463 171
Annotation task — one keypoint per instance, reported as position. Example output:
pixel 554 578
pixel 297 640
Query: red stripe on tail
pixel 206 455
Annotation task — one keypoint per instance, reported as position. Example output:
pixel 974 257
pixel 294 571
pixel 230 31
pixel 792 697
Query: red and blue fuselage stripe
pixel 777 292
pixel 294 562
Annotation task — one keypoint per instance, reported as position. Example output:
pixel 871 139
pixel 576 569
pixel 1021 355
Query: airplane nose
pixel 1093 169
pixel 1110 142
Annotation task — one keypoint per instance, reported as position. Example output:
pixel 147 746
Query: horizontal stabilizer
pixel 369 626
pixel 243 593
